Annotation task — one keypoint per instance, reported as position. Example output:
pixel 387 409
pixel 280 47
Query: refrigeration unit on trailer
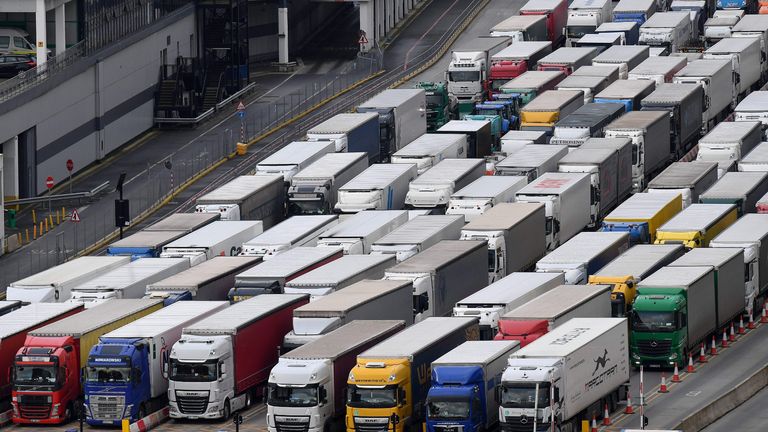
pixel 642 214
pixel 740 188
pixel 293 158
pixel 583 255
pixel 293 232
pixel 504 228
pixel 627 92
pixel 659 69
pixel 584 16
pixel 379 187
pixel 493 301
pixel 418 234
pixel 351 132
pixel 667 30
pixel 356 233
pixel 754 107
pixel 314 189
pixel 623 57
pixel 532 161
pixel 689 179
pixel 696 225
pixel 588 121
pixel 366 299
pixel 429 149
pixel 221 363
pixel 728 142
pixel 433 189
pixel 684 103
pixel 339 274
pixel 755 160
pixel 483 194
pixel 215 239
pixel 247 197
pixel 402 117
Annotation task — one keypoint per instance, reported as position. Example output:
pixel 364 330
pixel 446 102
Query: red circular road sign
pixel 49 182
pixel 70 165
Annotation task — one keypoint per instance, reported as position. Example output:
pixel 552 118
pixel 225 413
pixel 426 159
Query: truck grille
pixel 292 427
pixel 34 406
pixel 654 348
pixel 192 404
pixel 107 407
pixel 520 424
pixel 371 427
pixel 448 428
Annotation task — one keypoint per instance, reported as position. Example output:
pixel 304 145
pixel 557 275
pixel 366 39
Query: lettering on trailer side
pixel 551 183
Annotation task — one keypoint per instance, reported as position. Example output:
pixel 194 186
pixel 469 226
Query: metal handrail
pixel 74 195
pixel 185 120
pixel 41 73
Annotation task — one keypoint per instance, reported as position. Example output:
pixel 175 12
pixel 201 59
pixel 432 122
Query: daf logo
pixel 523 419
pixel 292 420
pixel 370 420
pixel 654 344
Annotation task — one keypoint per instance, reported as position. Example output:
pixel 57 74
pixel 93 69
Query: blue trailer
pixel 634 11
pixel 627 92
pixel 351 132
pixel 629 29
pixel 464 381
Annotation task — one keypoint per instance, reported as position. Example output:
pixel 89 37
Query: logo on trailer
pixel 601 362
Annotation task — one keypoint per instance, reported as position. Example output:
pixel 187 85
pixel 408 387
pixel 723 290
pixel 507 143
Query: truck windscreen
pixel 521 395
pixel 292 396
pixel 369 397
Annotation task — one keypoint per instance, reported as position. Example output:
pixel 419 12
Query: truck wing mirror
pixel 497 394
pixel 165 370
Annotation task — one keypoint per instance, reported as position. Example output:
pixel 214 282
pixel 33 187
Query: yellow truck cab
pixel 697 224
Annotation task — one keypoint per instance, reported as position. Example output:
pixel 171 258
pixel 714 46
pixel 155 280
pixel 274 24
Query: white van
pixel 14 41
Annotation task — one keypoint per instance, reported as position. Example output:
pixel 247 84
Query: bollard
pixel 63 213
pixel 58 218
pixel 34 233
pixel 26 231
pixel 34 217
pixel 46 224
pixel 50 216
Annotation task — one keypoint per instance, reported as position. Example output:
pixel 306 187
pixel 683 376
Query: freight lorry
pixel 270 276
pixel 623 149
pixel 676 309
pixel 247 197
pixel 756 27
pixel 667 30
pixel 483 194
pixel 513 60
pixel 339 274
pixel 588 121
pixel 47 378
pixel 314 189
pixel 683 103
pixel 470 66
pixel 307 385
pixel 589 85
pixel 600 41
pixel 584 16
pixel 634 10
pixel 532 320
pixel 718 28
pixel 628 30
pixel 440 107
pixel 585 358
pixel 126 282
pixel 13 332
pixel 745 55
pixel 716 78
pixel 418 234
pixel 527 86
pixel 543 112
pixel 379 187
pixel 567 59
pixel 56 284
pixel 522 28
pixel 605 172
pixel 689 179
pixel 513 290
pixel 216 368
pixel 649 132
pixel 293 158
pixel 532 161
pixel 728 142
pixel 366 299
pixel 556 12
pixel 623 57
pixel 583 255
pixel 292 232
pixel 755 160
pixel 429 149
pixel 479 138
pixel 472 404
pixel 402 117
pixel 503 228
pixel 627 92
pixel 740 188
pixel 754 107
pixel 642 214
pixel 628 269
pixel 149 242
pixel 356 234
pixel 567 201
pixel 659 69
pixel 433 189
pixel 696 225
pixel 124 372
pixel 210 280
pixel 405 358
pixel 351 132
pixel 515 140
pixel 215 239
pixel 442 275
pixel 750 233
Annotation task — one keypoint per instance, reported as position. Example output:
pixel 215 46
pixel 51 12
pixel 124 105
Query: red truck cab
pixel 525 331
pixel 502 72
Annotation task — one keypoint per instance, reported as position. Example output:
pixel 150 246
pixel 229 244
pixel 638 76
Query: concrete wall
pixel 102 104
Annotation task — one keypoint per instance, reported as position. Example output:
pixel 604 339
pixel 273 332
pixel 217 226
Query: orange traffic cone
pixel 628 409
pixel 663 386
pixel 764 316
pixel 724 343
pixel 676 375
pixel 594 424
pixel 690 368
pixel 606 416
pixel 742 330
pixel 702 356
pixel 713 348
pixel 751 324
pixel 732 334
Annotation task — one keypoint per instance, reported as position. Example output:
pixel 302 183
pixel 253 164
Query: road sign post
pixel 49 184
pixel 70 167
pixel 75 218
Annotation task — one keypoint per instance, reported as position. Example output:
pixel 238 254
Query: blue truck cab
pixel 143 244
pixel 503 108
pixel 639 233
pixel 627 92
pixel 462 395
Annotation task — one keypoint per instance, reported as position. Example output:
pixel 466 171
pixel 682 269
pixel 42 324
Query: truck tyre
pixel 227 411
pixel 142 411
pixel 68 413
pixel 248 399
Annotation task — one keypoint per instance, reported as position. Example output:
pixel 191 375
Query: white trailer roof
pixel 568 55
pixel 751 23
pixel 665 20
pixel 343 123
pixel 587 4
pixel 552 100
pixel 159 322
pixel 96 317
pixel 552 183
pixel 749 228
pixel 82 268
pixel 524 135
pixel 681 174
pixel 521 50
pixel 616 26
pixel 430 144
pixel 731 45
pixel 503 216
pixel 378 176
pixel 621 53
pixel 599 38
pixel 292 229
pixel 240 188
pixel 624 89
pixel 183 222
pixel 364 222
pixel 540 5
pixel 533 155
pixel 340 302
pixel 580 331
pixel 633 5
pixel 206 271
pixel 329 165
pixel 728 132
pixel 638 260
pixel 638 120
pixel 437 256
pixel 658 65
pixel 420 228
pixel 532 80
pixel 704 68
pixel 476 353
pixel 149 239
pixel 344 339
pixel 516 22
pixel 232 319
pixel 557 301
pixel 759 154
pixel 735 184
pixel 32 315
pixel 418 337
pixel 675 276
pixel 755 101
pixel 581 81
pixel 697 217
pixel 584 246
pixel 490 186
pixel 288 262
pixel 448 170
pixel 509 287
pixel 587 156
pixel 641 206
pixel 340 270
pixel 143 269
pixel 213 233
pixel 709 256
pixel 462 126
pixel 295 153
pixel 391 98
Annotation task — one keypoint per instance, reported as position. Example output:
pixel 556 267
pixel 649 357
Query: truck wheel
pixel 227 411
pixel 142 411
pixel 68 417
pixel 248 400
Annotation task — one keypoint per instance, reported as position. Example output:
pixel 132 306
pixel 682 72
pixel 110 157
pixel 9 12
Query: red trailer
pixel 556 12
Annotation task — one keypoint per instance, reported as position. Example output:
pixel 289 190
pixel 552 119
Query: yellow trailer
pixel 697 225
pixel 642 214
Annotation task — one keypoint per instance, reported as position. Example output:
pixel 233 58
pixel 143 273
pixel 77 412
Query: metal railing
pixel 98 190
pixel 38 75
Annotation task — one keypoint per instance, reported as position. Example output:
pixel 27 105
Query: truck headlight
pixel 673 356
pixel 55 410
pixel 635 356
pixel 127 411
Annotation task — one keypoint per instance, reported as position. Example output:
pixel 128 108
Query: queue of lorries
pixel 597 207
